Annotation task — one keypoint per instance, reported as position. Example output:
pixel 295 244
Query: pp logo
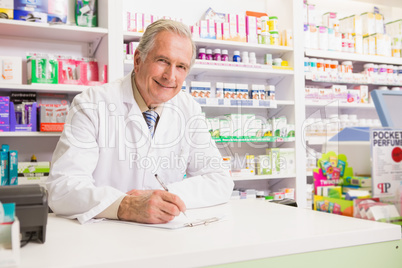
pixel 384 187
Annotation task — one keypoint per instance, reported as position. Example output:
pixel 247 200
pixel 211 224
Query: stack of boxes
pixel 80 12
pixel 362 34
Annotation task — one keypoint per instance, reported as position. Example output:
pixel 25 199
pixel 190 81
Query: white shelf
pixel 276 102
pixel 318 140
pixel 232 45
pixel 18 134
pixel 262 177
pixel 240 72
pixel 340 105
pixel 50 31
pixel 224 71
pixel 51 88
pixel 351 56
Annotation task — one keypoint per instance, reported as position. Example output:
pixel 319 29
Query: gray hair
pixel 148 39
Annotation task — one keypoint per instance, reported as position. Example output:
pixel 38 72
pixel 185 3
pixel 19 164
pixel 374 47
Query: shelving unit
pixel 391 10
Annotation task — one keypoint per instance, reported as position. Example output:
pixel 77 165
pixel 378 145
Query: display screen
pixel 393 105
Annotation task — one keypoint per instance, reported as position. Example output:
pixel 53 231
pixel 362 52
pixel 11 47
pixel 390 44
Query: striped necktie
pixel 151 116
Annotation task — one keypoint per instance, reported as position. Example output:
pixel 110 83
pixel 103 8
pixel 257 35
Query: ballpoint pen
pixel 165 188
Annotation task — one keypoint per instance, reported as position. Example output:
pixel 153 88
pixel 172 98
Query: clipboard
pixel 194 219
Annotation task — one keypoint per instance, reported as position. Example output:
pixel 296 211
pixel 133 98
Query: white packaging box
pixel 242 91
pixel 368 23
pixel 357 25
pixel 311 15
pixel 219 90
pixel 251 29
pixel 218 30
pixel 211 29
pixel 241 28
pixel 10 70
pixel 139 18
pixel 248 124
pixel 147 20
pixel 340 93
pixel 235 120
pixel 329 19
pixel 358 44
pixel 325 94
pixel 215 127
pixel 224 128
pixel 232 19
pixel 364 95
pixel 379 23
pixel 287 161
pixel 203 24
pixel 229 90
pixel 225 31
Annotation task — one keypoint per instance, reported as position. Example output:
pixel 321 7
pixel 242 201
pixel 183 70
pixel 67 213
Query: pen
pixel 165 188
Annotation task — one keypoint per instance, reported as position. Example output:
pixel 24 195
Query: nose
pixel 168 73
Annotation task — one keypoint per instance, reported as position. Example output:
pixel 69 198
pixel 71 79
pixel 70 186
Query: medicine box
pixel 4 113
pixel 7 13
pixel 31 16
pixel 10 70
pixel 41 70
pixel 86 14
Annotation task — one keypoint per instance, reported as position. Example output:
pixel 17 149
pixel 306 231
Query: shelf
pixel 253 139
pixel 222 71
pixel 261 177
pixel 45 88
pixel 51 31
pixel 352 56
pixel 239 72
pixel 319 140
pixel 29 134
pixel 335 103
pixel 232 45
pixel 252 104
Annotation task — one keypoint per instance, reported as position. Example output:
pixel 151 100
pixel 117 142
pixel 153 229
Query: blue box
pixel 32 16
pixel 31 5
pixel 4 163
pixel 13 163
pixel 4 113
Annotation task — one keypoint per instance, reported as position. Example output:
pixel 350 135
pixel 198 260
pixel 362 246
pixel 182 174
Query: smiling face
pixel 160 76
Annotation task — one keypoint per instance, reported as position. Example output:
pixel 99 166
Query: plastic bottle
pixel 273 23
pixel 244 57
pixel 209 54
pixel 253 59
pixel 201 54
pixel 224 56
pixel 217 54
pixel 313 65
pixel 236 56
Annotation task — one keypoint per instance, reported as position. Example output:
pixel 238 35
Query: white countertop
pixel 254 229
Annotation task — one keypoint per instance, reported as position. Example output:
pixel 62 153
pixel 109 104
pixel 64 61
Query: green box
pixel 86 13
pixel 43 71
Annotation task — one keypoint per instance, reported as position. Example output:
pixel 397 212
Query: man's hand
pixel 150 206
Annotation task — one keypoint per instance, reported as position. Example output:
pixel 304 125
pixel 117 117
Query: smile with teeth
pixel 163 85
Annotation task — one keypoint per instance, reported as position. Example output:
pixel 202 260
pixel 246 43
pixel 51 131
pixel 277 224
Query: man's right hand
pixel 150 206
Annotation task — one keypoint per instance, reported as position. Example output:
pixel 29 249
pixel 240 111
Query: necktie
pixel 151 116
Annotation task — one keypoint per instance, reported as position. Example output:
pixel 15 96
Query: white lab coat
pixel 105 150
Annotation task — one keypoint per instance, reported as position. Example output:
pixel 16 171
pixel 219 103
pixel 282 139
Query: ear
pixel 137 61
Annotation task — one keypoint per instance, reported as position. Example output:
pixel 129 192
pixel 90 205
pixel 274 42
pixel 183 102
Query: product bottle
pixel 253 59
pixel 209 54
pixel 224 56
pixel 201 54
pixel 217 54
pixel 236 56
pixel 244 57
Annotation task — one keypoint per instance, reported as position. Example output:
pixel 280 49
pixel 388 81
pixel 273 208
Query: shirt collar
pixel 140 100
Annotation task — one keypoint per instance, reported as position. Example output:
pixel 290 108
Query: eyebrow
pixel 168 59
